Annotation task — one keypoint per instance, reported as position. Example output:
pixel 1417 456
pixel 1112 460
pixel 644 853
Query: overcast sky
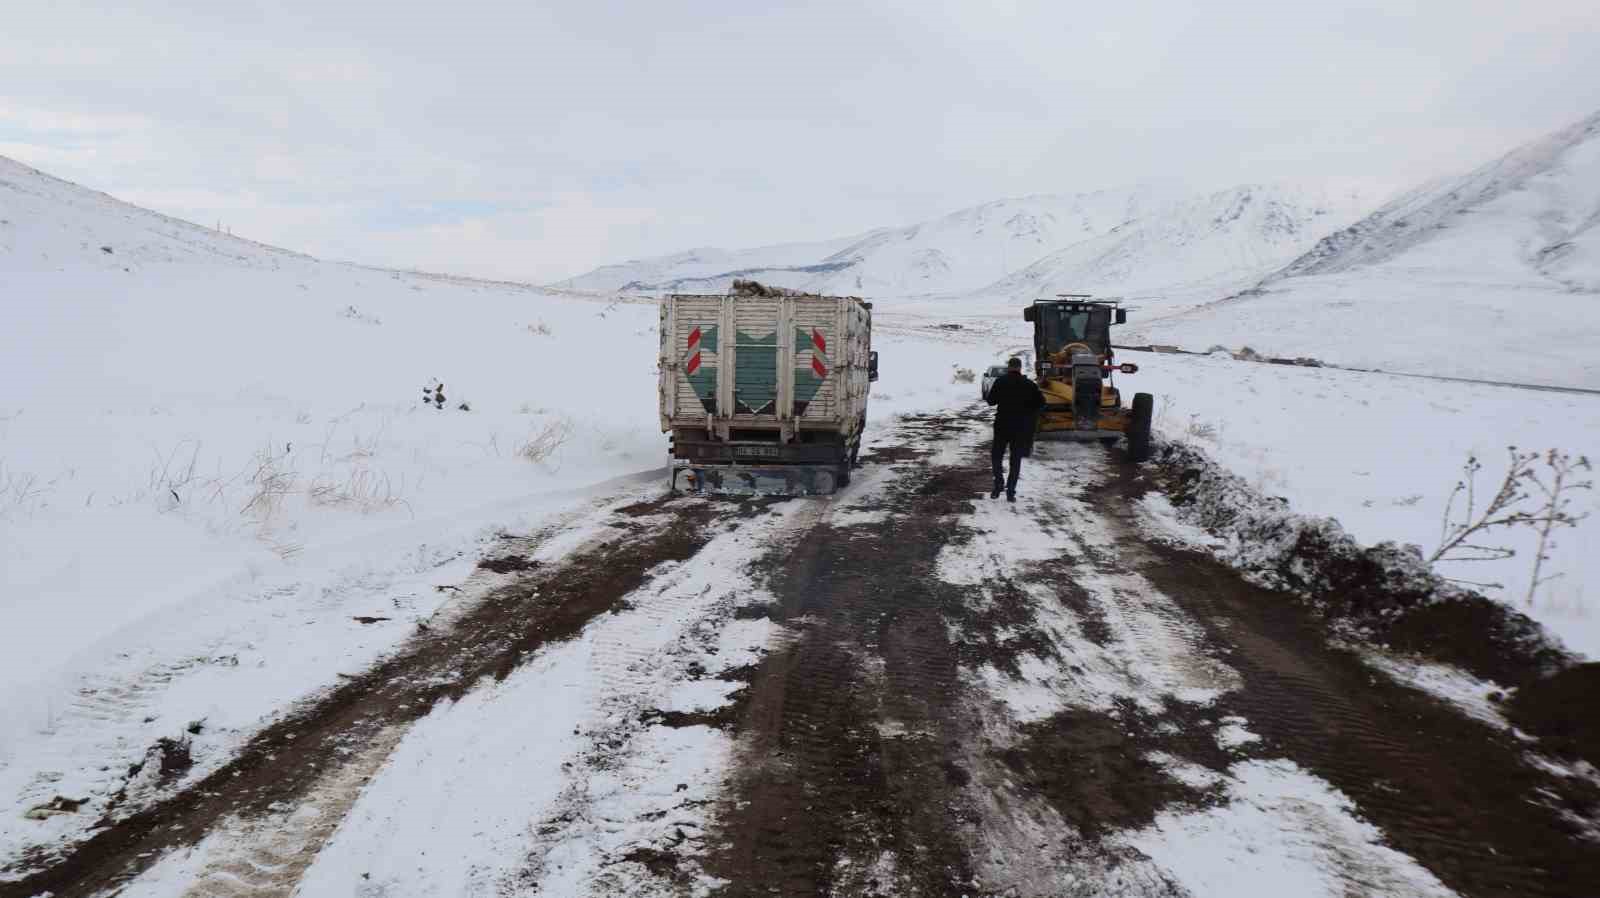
pixel 536 140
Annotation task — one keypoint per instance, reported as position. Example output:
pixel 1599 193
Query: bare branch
pixel 1553 513
pixel 1501 511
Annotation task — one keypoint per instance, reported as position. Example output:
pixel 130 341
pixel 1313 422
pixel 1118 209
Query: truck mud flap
pixel 747 480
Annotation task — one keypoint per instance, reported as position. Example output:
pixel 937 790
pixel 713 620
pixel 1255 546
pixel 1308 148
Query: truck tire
pixel 823 483
pixel 1139 427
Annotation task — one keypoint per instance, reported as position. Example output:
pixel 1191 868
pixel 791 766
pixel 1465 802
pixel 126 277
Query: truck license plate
pixel 759 451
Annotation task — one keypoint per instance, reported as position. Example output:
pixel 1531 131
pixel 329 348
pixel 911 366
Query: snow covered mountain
pixel 965 250
pixel 1145 242
pixel 709 263
pixel 1492 274
pixel 1535 211
pixel 1196 249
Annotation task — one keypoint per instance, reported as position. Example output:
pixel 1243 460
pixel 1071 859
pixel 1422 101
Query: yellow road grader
pixel 1074 367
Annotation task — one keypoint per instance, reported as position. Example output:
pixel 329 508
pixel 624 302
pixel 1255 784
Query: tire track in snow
pixel 287 760
pixel 848 783
pixel 623 822
pixel 198 658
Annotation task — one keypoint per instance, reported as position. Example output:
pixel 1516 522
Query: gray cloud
pixel 535 141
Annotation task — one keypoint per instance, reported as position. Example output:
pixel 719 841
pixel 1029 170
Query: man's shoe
pixel 1011 497
pixel 995 494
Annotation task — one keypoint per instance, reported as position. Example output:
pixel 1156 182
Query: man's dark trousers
pixel 1017 439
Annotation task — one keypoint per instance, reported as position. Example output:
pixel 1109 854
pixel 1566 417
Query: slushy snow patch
pixel 1282 831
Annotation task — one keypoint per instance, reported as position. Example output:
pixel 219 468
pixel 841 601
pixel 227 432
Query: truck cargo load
pixel 765 390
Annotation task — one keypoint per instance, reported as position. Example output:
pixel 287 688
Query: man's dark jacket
pixel 1016 400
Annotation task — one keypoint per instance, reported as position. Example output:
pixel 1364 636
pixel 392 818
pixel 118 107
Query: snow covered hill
pixel 47 224
pixel 1167 250
pixel 1194 250
pixel 1495 274
pixel 709 263
pixel 964 250
pixel 192 417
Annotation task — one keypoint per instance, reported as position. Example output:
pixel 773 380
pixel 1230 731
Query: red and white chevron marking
pixel 693 352
pixel 819 353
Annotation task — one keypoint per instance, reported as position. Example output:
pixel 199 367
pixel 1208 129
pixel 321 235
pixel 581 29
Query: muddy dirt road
pixel 950 696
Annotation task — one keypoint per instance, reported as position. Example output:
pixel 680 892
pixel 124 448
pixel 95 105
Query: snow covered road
pixel 908 689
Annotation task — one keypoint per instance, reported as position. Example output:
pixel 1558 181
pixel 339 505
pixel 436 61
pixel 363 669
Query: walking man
pixel 1016 400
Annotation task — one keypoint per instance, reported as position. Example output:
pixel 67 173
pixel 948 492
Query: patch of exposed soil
pixel 1476 634
pixel 887 455
pixel 663 864
pixel 1564 710
pixel 283 762
pixel 754 611
pixel 508 564
pixel 173 757
pixel 1458 796
pixel 1000 631
pixel 1095 768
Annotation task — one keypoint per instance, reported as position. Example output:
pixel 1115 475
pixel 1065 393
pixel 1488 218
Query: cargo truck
pixel 764 390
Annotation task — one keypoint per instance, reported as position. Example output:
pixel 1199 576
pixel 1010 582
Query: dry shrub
pixel 20 493
pixel 541 445
pixel 271 480
pixel 1201 430
pixel 362 488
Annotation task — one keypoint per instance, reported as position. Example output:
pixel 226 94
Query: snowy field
pixel 1384 320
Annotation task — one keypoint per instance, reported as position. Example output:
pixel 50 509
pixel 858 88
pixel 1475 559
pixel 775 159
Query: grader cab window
pixel 1069 324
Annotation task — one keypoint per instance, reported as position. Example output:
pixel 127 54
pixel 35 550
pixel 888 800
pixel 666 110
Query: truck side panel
pixel 854 382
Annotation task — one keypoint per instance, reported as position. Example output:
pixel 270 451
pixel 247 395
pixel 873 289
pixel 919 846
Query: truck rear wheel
pixel 1139 427
pixel 823 483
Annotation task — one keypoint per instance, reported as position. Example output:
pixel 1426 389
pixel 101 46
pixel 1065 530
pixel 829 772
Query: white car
pixel 994 373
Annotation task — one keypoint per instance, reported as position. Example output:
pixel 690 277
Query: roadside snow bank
pixel 1385 592
pixel 1380 454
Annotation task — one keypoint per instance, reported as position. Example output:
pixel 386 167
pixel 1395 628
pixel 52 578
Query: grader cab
pixel 1075 367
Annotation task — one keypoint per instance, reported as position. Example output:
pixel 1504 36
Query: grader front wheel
pixel 1139 427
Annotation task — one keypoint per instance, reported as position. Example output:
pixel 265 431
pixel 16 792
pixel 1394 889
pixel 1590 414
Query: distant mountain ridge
pixel 966 249
pixel 1561 171
pixel 1494 274
pixel 1194 249
pixel 1140 238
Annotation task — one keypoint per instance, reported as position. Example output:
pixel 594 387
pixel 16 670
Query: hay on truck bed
pixel 742 287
